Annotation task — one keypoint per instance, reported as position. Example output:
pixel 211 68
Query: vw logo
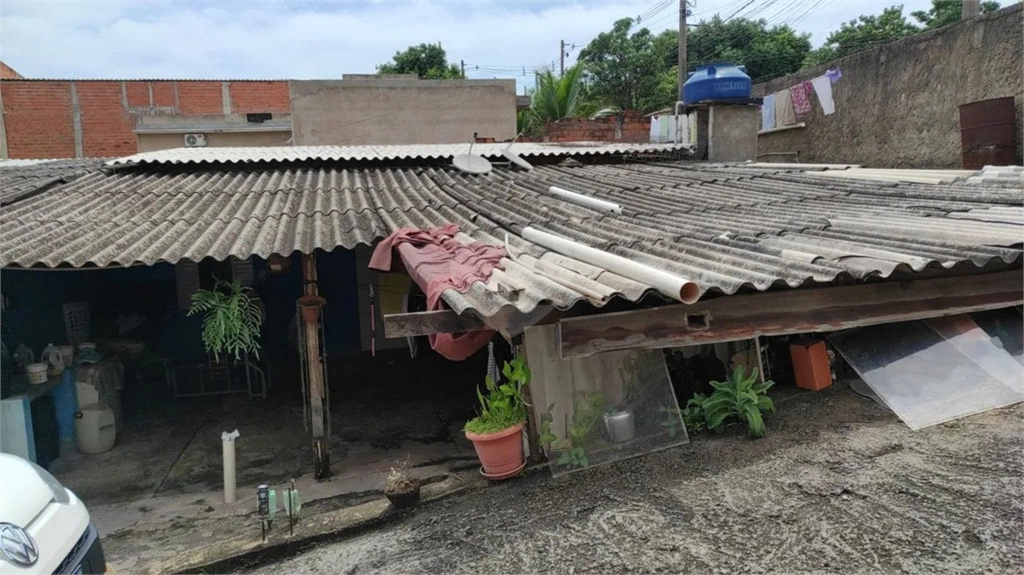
pixel 17 545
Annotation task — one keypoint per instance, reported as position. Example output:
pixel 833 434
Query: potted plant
pixel 233 319
pixel 497 433
pixel 310 306
pixel 401 489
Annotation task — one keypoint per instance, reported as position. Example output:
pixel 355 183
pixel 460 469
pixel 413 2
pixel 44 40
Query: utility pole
pixel 682 47
pixel 462 64
pixel 561 57
pixel 970 9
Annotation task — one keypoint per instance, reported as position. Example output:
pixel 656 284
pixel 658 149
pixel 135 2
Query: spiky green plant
pixel 503 406
pixel 739 396
pixel 559 97
pixel 232 322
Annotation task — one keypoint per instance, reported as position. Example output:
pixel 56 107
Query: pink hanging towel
pixel 436 261
pixel 801 101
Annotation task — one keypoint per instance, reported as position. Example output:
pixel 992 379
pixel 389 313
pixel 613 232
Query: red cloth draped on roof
pixel 437 261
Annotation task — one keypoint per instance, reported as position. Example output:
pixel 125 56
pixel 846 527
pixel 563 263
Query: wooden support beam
pixel 429 323
pixel 788 312
pixel 314 367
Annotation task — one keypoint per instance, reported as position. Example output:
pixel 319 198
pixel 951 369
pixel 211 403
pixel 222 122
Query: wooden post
pixel 314 367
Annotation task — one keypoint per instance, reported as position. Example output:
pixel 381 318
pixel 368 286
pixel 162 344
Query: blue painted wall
pixel 35 316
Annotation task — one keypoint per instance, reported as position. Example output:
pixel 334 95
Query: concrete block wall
pixel 96 118
pixel 402 109
pixel 897 104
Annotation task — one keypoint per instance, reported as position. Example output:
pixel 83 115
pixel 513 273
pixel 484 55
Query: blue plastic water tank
pixel 719 81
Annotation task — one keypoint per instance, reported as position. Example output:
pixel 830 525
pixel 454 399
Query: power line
pixel 744 7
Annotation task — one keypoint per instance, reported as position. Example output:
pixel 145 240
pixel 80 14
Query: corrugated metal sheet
pixel 21 178
pixel 722 227
pixel 380 152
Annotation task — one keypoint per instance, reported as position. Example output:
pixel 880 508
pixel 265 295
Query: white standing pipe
pixel 228 444
pixel 671 285
pixel 584 200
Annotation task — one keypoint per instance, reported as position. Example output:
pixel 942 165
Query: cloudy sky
pixel 302 40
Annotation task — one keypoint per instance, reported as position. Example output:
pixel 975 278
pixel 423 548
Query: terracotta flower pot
pixel 501 452
pixel 311 305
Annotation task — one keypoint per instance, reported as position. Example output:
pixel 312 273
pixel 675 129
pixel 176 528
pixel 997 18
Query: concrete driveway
pixel 838 485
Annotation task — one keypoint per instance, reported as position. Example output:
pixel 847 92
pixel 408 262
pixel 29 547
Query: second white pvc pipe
pixel 671 285
pixel 228 447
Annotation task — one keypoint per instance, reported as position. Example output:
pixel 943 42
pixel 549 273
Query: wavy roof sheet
pixel 726 228
pixel 382 152
pixel 20 178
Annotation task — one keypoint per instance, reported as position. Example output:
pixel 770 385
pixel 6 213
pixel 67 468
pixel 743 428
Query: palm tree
pixel 561 97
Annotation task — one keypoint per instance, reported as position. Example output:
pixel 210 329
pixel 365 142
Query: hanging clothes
pixel 768 112
pixel 655 129
pixel 436 261
pixel 834 75
pixel 663 129
pixel 784 113
pixel 801 98
pixel 823 88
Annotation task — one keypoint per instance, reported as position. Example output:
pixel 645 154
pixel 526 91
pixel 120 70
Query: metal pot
pixel 620 425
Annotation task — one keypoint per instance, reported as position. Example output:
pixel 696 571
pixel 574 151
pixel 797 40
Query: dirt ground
pixel 838 485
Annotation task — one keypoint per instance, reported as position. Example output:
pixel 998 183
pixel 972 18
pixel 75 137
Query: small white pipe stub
pixel 228 444
pixel 585 200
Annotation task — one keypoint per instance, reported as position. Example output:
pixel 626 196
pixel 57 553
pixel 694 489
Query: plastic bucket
pixel 37 372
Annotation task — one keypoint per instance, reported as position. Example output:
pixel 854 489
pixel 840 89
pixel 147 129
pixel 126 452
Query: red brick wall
pixel 6 72
pixel 251 97
pixel 198 98
pixel 634 127
pixel 163 94
pixel 39 114
pixel 106 125
pixel 38 119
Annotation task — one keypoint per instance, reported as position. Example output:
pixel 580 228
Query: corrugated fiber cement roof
pixel 723 227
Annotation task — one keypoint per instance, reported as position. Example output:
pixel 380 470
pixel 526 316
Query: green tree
pixel 558 97
pixel 862 33
pixel 428 61
pixel 766 52
pixel 625 69
pixel 946 12
pixel 639 70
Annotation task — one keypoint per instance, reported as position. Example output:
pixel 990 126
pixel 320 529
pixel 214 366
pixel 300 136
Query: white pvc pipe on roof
pixel 671 285
pixel 585 200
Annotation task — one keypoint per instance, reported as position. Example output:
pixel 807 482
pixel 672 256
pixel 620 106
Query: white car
pixel 44 528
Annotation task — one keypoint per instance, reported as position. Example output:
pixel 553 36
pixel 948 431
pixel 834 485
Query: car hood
pixel 24 494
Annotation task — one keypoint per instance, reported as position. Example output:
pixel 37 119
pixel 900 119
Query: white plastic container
pixel 95 430
pixel 37 372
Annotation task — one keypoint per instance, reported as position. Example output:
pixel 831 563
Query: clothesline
pixel 782 108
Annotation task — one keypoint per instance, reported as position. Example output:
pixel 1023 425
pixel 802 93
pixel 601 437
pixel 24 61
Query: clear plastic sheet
pixel 603 408
pixel 929 372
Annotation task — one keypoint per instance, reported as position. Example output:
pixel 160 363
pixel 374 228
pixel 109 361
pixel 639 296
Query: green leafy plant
pixel 739 397
pixel 503 406
pixel 574 457
pixel 233 320
pixel 579 431
pixel 546 437
pixel 671 421
pixel 693 413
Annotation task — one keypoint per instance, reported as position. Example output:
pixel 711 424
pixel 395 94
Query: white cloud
pixel 272 39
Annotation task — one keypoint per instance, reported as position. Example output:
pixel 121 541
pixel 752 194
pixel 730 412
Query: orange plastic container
pixel 810 364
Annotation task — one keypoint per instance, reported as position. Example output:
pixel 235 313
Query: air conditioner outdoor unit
pixel 195 140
